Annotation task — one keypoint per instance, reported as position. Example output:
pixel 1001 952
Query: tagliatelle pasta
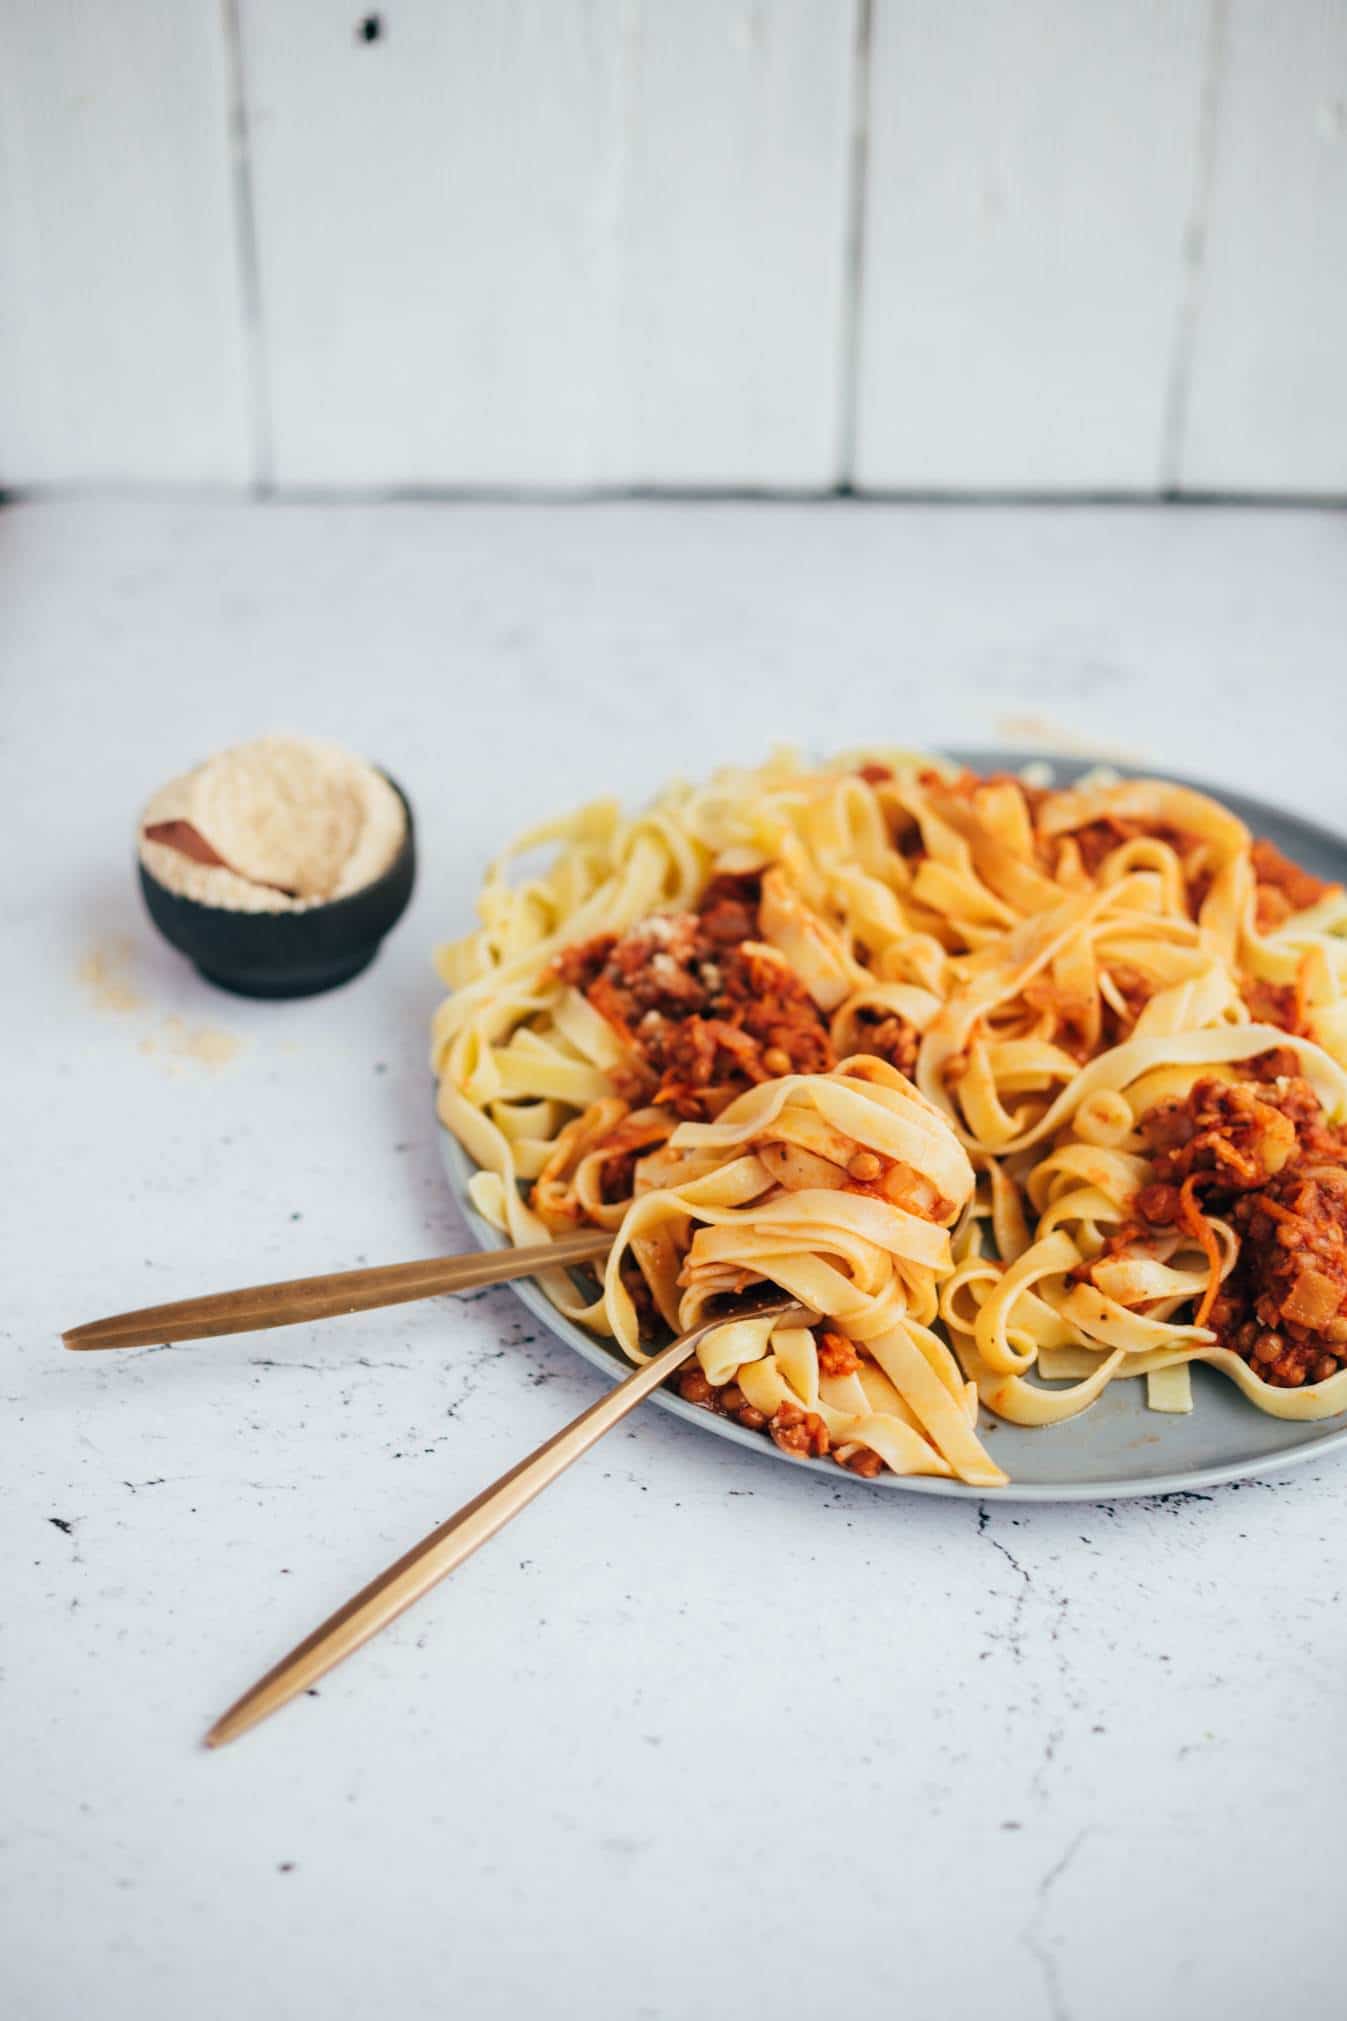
pixel 1020 1092
pixel 767 1192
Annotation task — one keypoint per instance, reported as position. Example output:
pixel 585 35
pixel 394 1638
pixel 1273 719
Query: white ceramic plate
pixel 1118 1447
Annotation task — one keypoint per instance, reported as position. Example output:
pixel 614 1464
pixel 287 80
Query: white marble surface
pixel 697 1735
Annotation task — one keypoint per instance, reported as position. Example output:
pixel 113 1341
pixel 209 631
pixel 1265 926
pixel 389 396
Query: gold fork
pixel 303 1298
pixel 445 1549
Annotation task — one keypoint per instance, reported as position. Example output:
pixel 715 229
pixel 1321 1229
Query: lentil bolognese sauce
pixel 1019 1090
pixel 1260 1152
pixel 703 1008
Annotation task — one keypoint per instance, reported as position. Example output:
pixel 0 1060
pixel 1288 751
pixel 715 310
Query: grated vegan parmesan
pixel 277 825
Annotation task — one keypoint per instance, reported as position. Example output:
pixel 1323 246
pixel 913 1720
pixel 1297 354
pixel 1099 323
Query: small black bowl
pixel 277 954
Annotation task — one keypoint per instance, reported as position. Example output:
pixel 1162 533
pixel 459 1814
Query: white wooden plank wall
pixel 773 244
pixel 1267 399
pixel 514 242
pixel 1031 172
pixel 121 322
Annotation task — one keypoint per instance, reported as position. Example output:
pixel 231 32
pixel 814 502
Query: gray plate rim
pixel 1299 1451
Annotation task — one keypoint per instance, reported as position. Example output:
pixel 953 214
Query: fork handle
pixel 444 1549
pixel 304 1298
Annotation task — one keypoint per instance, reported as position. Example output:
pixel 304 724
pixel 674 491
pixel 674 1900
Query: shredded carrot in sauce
pixel 1196 1223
